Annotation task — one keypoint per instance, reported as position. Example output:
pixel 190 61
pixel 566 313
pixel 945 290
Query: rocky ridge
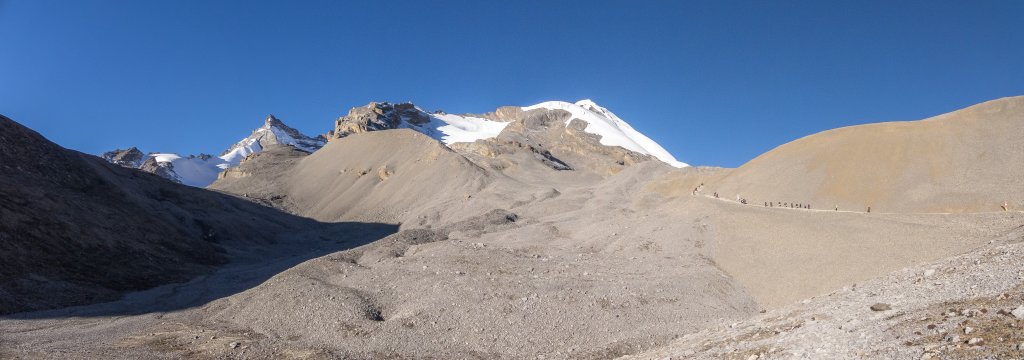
pixel 554 135
pixel 202 169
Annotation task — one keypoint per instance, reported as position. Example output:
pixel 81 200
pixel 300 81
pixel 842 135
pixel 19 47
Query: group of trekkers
pixel 741 200
pixel 786 204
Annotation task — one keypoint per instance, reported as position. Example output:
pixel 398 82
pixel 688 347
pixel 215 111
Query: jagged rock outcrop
pixel 378 116
pixel 164 169
pixel 130 158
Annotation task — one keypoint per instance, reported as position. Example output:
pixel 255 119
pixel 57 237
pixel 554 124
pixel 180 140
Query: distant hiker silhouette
pixel 1006 206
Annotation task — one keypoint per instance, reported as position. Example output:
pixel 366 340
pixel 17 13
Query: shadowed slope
pixel 75 229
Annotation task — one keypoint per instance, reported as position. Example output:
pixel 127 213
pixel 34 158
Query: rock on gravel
pixel 1018 312
pixel 881 307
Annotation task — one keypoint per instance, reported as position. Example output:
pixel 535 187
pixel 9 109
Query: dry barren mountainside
pixel 970 160
pixel 541 242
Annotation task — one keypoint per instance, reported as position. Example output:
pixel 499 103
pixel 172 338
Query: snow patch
pixel 450 128
pixel 242 149
pixel 193 170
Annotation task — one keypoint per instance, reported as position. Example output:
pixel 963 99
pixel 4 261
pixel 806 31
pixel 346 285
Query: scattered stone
pixel 975 341
pixel 1020 347
pixel 952 338
pixel 929 272
pixel 968 330
pixel 881 307
pixel 235 345
pixel 1018 312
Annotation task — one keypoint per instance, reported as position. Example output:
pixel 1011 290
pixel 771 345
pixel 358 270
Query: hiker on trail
pixel 837 207
pixel 869 209
pixel 1006 206
pixel 716 194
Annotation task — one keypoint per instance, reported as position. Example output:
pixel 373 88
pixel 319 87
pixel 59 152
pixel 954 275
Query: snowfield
pixel 450 128
pixel 193 170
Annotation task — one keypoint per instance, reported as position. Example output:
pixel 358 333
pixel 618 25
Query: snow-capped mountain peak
pixel 202 170
pixel 613 130
pixel 273 131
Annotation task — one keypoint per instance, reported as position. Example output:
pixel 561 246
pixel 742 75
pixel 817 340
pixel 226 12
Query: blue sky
pixel 714 82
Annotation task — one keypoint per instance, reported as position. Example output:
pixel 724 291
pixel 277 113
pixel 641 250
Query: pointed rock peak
pixel 271 120
pixel 131 157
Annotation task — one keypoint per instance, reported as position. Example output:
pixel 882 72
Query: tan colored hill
pixel 970 160
pixel 390 176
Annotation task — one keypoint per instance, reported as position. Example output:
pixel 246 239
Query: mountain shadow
pixel 76 230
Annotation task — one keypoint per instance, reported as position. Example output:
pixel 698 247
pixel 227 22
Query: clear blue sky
pixel 714 82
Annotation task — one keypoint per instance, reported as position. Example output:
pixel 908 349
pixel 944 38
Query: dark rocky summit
pixel 130 158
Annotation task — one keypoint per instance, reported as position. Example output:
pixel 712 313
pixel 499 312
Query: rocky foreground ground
pixel 965 307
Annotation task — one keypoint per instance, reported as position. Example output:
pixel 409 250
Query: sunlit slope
pixel 970 160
